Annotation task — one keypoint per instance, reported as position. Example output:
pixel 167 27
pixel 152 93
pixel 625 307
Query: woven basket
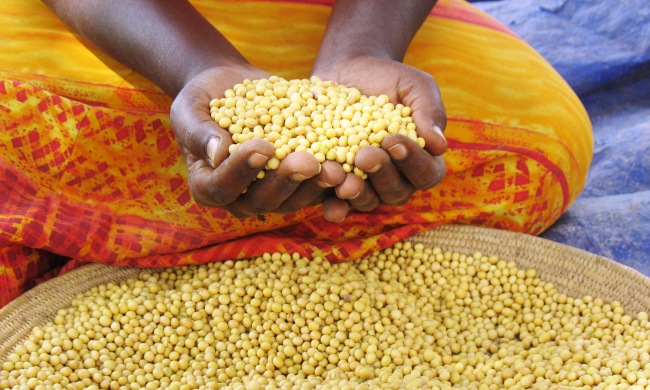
pixel 573 271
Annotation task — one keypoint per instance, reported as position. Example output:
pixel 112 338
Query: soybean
pixel 409 317
pixel 331 121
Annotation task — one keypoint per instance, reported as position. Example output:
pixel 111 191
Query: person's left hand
pixel 400 167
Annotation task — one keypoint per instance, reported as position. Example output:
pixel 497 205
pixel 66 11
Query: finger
pixel 307 194
pixel 335 209
pixel 421 168
pixel 350 187
pixel 421 93
pixel 358 193
pixel 220 186
pixel 197 133
pixel 278 185
pixel 388 182
pixel 316 189
pixel 366 200
pixel 331 174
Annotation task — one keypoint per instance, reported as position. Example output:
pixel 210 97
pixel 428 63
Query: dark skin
pixel 173 45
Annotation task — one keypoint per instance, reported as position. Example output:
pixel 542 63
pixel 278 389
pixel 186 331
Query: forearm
pixel 167 41
pixel 378 28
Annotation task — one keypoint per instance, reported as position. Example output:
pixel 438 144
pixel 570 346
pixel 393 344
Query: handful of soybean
pixel 331 121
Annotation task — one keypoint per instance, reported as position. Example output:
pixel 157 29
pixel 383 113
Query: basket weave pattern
pixel 573 271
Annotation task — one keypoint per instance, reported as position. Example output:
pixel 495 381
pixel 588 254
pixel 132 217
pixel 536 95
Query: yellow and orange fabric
pixel 90 170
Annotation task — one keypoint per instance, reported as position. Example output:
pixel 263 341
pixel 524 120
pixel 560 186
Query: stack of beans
pixel 408 317
pixel 330 121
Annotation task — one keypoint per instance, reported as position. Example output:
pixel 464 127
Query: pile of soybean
pixel 408 317
pixel 329 120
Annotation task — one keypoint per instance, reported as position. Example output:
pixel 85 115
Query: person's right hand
pixel 172 44
pixel 217 178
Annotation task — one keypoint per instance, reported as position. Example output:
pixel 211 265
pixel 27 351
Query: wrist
pixel 206 64
pixel 331 60
pixel 351 69
pixel 381 29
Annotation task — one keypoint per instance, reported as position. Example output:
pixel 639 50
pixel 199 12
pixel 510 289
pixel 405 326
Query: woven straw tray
pixel 573 271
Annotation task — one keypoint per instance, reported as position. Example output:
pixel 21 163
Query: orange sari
pixel 90 170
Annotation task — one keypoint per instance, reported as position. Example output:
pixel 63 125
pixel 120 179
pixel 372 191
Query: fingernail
pixel 211 149
pixel 257 160
pixel 357 195
pixel 297 176
pixel 398 152
pixel 374 169
pixel 323 184
pixel 438 131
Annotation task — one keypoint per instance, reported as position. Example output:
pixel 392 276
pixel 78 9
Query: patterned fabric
pixel 90 170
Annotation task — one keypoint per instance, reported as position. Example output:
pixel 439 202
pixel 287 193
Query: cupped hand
pixel 400 167
pixel 217 178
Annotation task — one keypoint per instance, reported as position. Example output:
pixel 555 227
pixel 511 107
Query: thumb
pixel 428 113
pixel 198 134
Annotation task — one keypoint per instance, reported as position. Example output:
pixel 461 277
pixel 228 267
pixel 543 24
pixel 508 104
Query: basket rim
pixel 91 268
pixel 31 308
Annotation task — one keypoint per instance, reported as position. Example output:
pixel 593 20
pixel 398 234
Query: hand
pixel 217 178
pixel 400 167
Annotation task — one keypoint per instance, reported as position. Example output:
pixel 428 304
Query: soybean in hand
pixel 331 121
